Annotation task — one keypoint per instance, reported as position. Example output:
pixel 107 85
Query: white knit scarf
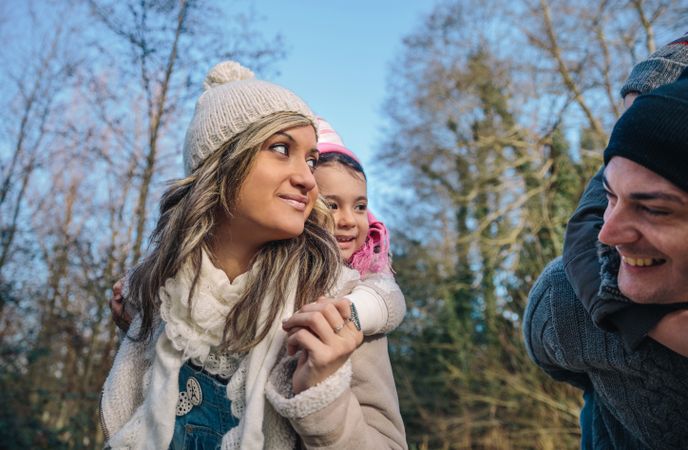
pixel 193 335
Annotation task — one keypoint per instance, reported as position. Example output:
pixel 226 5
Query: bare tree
pixel 95 129
pixel 498 114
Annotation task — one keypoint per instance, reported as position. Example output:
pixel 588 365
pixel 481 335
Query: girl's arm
pixel 379 302
pixel 580 248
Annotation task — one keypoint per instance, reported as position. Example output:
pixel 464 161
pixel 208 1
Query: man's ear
pixel 629 98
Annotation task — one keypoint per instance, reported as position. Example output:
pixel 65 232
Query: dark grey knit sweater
pixel 640 397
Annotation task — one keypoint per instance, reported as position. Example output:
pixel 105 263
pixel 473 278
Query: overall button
pixel 193 396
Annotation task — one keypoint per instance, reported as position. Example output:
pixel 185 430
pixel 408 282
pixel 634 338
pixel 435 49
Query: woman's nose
pixel 302 176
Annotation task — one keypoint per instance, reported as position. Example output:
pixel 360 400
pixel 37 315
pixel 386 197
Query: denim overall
pixel 204 414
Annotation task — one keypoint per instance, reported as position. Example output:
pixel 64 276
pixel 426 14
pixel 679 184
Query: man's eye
pixel 282 149
pixel 654 212
pixel 611 198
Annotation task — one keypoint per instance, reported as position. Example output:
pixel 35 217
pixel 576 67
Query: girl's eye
pixel 282 149
pixel 361 207
pixel 331 205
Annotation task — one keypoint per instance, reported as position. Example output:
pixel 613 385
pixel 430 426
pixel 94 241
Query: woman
pixel 242 242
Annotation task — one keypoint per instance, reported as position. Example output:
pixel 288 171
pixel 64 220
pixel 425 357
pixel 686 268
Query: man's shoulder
pixel 553 300
pixel 553 306
pixel 555 327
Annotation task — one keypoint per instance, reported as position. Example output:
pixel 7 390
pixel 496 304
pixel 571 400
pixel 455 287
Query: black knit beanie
pixel 653 132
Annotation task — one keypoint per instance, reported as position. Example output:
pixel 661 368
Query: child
pixel 363 240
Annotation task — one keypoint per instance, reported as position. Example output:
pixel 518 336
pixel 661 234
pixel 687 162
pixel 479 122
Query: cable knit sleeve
pixel 552 325
pixel 380 303
pixel 355 408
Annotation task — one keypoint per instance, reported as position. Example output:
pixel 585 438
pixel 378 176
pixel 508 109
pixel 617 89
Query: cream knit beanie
pixel 232 100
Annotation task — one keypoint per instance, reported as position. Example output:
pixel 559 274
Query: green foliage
pixel 461 366
pixel 499 180
pixel 21 426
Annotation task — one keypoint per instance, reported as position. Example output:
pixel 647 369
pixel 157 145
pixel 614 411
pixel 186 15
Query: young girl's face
pixel 345 192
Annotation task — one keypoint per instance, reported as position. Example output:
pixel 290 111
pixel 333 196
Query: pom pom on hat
pixel 232 100
pixel 226 72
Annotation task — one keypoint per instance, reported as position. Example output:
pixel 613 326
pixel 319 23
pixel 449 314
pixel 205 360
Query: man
pixel 609 311
pixel 640 394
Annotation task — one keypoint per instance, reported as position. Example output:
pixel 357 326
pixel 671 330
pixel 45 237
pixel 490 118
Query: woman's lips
pixel 296 201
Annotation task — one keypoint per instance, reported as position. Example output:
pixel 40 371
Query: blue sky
pixel 339 55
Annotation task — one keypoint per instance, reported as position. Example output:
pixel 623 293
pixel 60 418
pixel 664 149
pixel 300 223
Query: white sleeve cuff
pixel 279 390
pixel 371 308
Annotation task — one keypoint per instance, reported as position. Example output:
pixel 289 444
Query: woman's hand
pixel 119 314
pixel 325 335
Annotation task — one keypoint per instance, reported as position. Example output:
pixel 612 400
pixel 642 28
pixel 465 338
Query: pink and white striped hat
pixel 329 141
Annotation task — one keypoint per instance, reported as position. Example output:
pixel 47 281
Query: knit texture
pixel 279 390
pixel 653 132
pixel 374 255
pixel 192 333
pixel 139 403
pixel 640 397
pixel 662 67
pixel 232 100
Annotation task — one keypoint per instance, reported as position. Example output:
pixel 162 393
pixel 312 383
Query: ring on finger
pixel 339 328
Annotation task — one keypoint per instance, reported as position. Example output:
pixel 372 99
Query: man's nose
pixel 619 226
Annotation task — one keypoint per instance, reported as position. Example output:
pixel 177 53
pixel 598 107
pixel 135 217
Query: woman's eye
pixel 312 163
pixel 282 149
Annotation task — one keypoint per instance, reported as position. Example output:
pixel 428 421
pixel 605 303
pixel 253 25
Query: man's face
pixel 646 220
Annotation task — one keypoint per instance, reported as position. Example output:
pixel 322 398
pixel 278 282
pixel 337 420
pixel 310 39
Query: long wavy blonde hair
pixel 189 211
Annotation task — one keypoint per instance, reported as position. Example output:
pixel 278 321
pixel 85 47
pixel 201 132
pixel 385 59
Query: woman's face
pixel 279 192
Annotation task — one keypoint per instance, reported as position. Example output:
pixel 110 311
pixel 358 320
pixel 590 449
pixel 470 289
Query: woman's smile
pixel 299 202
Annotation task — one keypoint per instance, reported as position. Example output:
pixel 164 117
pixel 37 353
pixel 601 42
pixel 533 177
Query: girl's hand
pixel 326 337
pixel 119 315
